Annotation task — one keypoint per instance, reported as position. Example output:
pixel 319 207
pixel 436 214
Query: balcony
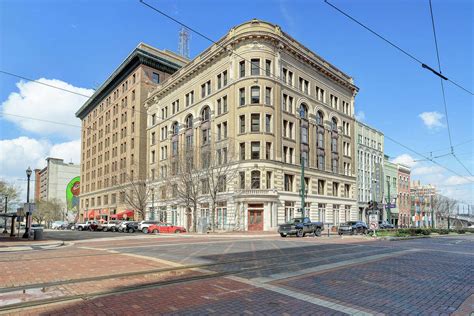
pixel 257 192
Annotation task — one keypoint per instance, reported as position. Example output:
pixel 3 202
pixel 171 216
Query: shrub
pixel 443 231
pixel 461 231
pixel 426 232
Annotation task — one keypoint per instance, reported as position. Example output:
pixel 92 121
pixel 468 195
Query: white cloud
pixel 427 170
pixel 69 151
pixel 20 153
pixel 457 180
pixel 45 103
pixel 432 120
pixel 405 159
pixel 360 116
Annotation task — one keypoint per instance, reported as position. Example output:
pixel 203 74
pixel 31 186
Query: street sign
pixel 373 221
pixel 20 212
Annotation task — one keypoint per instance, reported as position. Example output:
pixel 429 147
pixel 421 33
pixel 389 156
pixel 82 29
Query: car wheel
pixel 299 233
pixel 155 231
pixel 104 229
pixel 282 235
pixel 352 232
pixel 177 231
pixel 317 232
pixel 365 231
pixel 145 230
pixel 80 228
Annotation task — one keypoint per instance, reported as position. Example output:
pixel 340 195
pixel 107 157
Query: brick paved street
pixel 198 275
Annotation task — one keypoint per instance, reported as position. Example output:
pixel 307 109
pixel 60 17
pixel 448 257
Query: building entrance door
pixel 255 214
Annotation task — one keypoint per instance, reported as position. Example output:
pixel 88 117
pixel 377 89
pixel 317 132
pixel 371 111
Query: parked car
pixel 353 227
pixel 143 225
pixel 58 225
pixel 84 226
pixel 109 226
pixel 165 228
pixel 131 227
pixel 300 226
pixel 122 226
pixel 385 225
pixel 71 226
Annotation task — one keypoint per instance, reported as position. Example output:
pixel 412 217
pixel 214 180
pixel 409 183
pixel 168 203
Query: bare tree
pixel 12 193
pixel 220 168
pixel 48 211
pixel 444 209
pixel 136 195
pixel 185 183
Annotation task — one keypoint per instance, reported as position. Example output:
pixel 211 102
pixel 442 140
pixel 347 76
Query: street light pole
pixel 28 222
pixel 6 210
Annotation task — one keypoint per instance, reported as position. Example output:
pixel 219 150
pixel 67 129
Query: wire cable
pixel 45 84
pixel 424 65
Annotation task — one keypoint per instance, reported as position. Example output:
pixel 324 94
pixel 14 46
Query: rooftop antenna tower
pixel 183 46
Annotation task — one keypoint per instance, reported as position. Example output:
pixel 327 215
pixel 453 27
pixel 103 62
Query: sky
pixel 76 45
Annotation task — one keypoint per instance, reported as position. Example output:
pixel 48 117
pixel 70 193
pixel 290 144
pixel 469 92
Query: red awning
pixel 91 214
pixel 126 213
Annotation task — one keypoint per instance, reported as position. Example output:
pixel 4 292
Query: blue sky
pixel 81 42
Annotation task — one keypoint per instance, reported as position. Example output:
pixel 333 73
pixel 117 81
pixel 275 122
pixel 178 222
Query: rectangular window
pixel 219 83
pixel 255 122
pixel 283 102
pixel 224 78
pixel 242 180
pixel 242 68
pixel 255 67
pixel 268 96
pixel 288 182
pixel 268 123
pixel 155 77
pixel 242 151
pixel 255 95
pixel 268 67
pixel 255 153
pixel 268 151
pixel 335 189
pixel 219 107
pixel 242 96
pixel 224 104
pixel 242 123
pixel 304 135
pixel 224 130
pixel 269 180
pixel 321 186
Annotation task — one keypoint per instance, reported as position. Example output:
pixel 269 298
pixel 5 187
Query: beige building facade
pixel 113 136
pixel 261 102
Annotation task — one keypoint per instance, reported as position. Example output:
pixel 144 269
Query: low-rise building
pixel 404 197
pixel 390 195
pixel 422 196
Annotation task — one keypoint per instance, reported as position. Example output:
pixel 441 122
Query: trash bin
pixel 38 234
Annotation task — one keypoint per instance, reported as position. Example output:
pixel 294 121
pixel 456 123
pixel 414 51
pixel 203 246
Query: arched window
pixel 319 118
pixel 334 124
pixel 189 121
pixel 175 128
pixel 255 179
pixel 303 111
pixel 206 114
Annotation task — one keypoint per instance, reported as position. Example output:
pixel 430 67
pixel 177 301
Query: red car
pixel 166 228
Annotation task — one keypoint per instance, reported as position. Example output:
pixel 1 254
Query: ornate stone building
pixel 404 196
pixel 262 103
pixel 113 136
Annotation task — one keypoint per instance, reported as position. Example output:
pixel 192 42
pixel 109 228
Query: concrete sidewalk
pixel 9 244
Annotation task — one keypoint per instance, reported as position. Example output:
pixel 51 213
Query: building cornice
pixel 139 56
pixel 226 45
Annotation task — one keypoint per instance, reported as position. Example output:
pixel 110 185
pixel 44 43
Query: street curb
pixel 392 238
pixel 41 246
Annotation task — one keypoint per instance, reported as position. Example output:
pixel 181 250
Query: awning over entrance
pixel 124 214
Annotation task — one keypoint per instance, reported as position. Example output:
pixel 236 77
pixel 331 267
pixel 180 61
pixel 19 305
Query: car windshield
pixel 295 220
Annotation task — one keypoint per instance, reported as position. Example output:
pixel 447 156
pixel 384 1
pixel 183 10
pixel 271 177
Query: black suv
pixel 131 227
pixel 353 227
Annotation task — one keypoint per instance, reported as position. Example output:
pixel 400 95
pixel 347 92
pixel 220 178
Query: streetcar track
pixel 152 271
pixel 158 284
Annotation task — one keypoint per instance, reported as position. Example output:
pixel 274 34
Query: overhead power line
pixel 44 84
pixel 424 65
